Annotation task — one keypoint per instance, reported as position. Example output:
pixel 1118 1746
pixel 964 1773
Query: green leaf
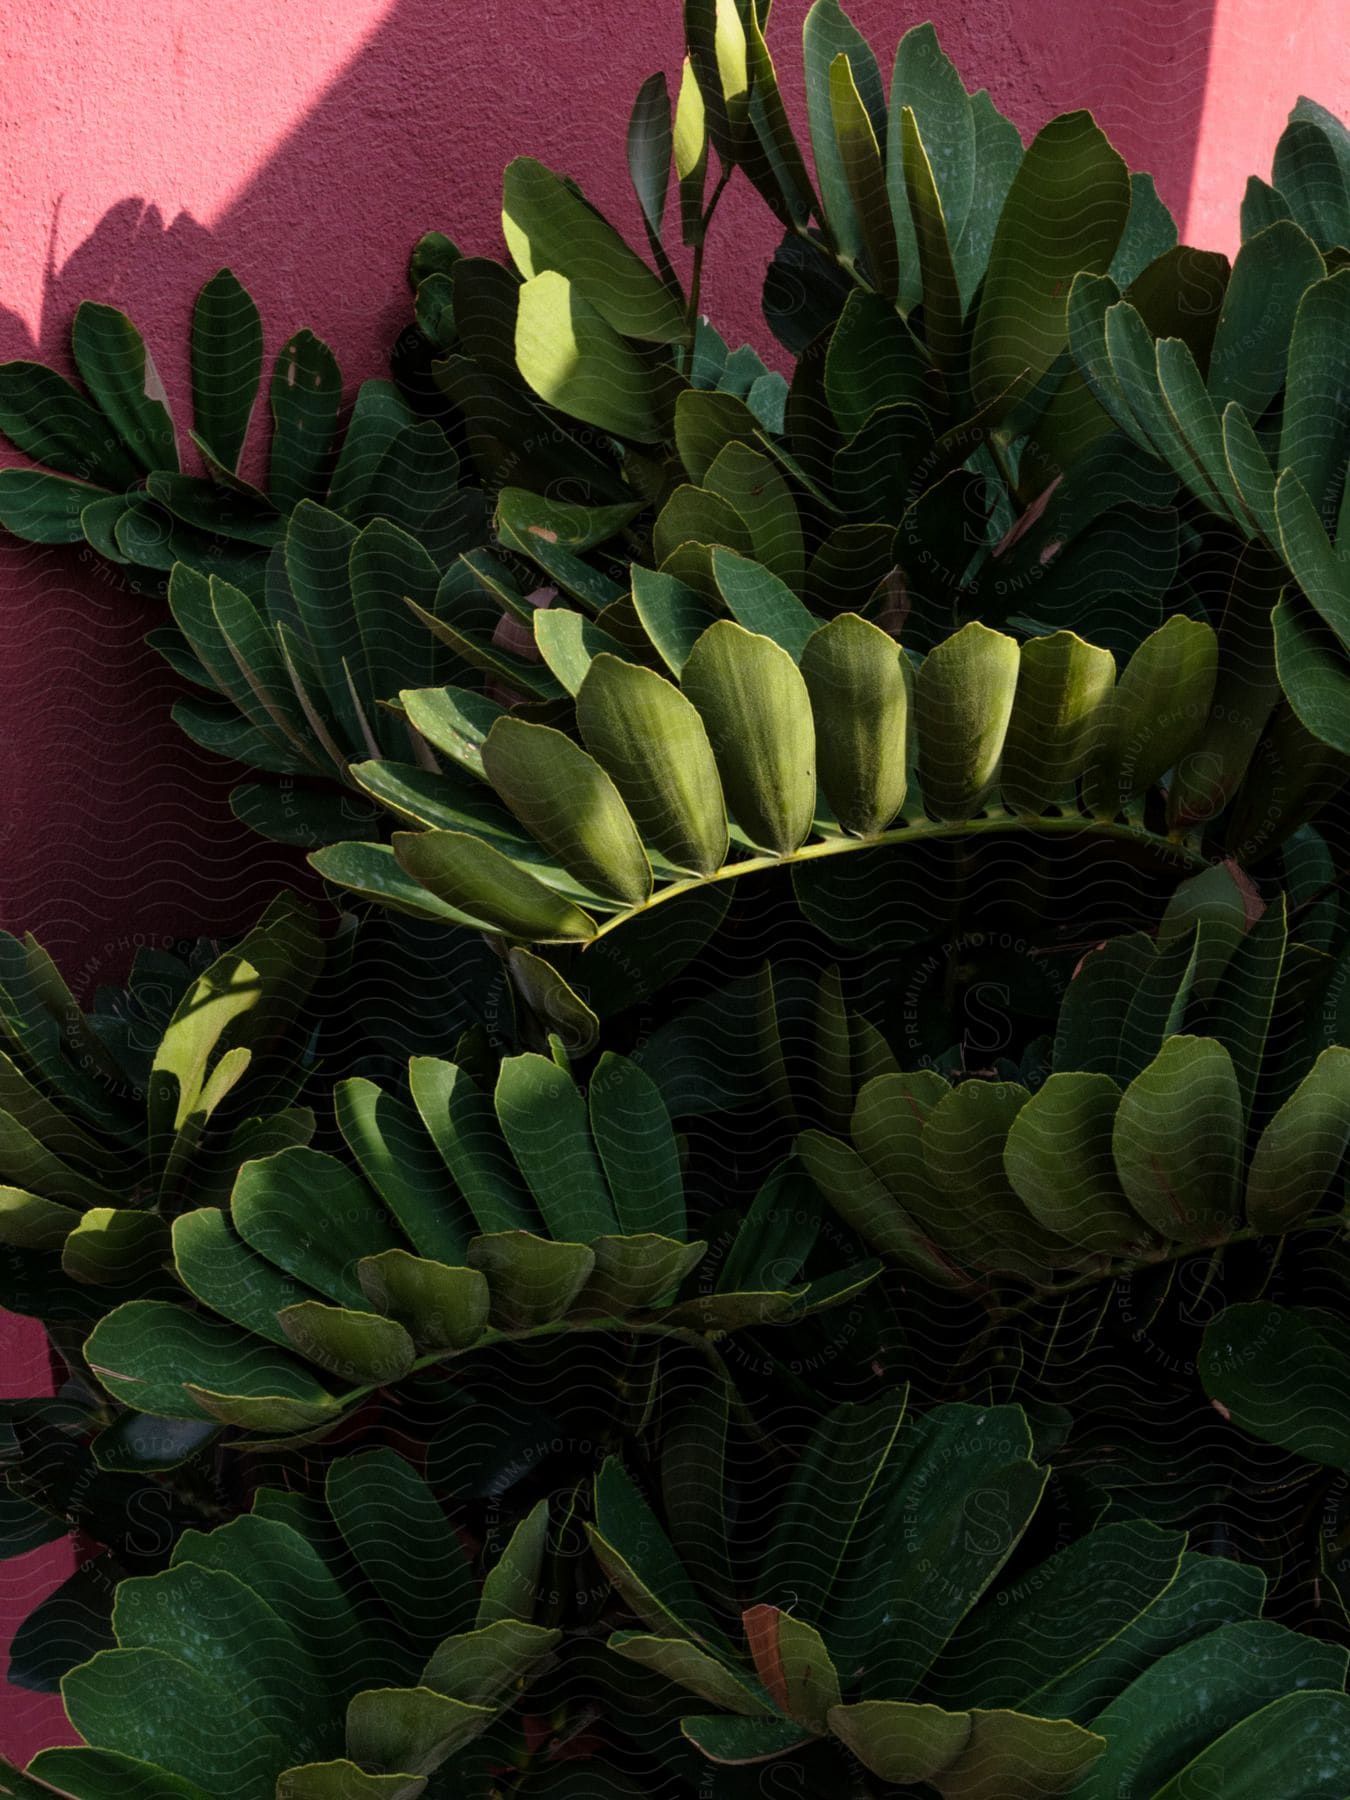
pixel 1314 675
pixel 463 1126
pixel 1028 1757
pixel 998 157
pixel 637 1273
pixel 1026 1637
pixel 1194 417
pixel 749 481
pixel 868 1208
pixel 225 1633
pixel 1242 1004
pixel 96 1775
pixel 181 1721
pixel 306 397
pixel 557 1007
pixel 672 615
pixel 479 1666
pixel 405 1546
pixel 1298 1747
pixel 963 701
pixel 412 1729
pixel 43 508
pixel 738 1741
pixel 161 1358
pixel 1064 215
pixel 779 169
pixel 873 362
pixel 1310 176
pixel 715 36
pixel 1177 1142
pixel 690 138
pixel 652 743
pixel 638 1558
pixel 225 1274
pixel 1058 1158
pixel 636 1144
pixel 650 147
pixel 1250 355
pixel 1277 1372
pixel 358 1347
pixel 860 702
pixel 762 601
pixel 549 227
pixel 942 308
pixel 543 1118
pixel 815 1532
pixel 119 1247
pixel 401 1164
pixel 569 804
pixel 704 424
pixel 1301 1148
pixel 273 1208
pixel 1208 1592
pixel 226 365
pixel 1154 1730
pixel 1159 705
pixel 343 1780
pixel 901 1741
pixel 441 1307
pixel 888 1124
pixel 923 1558
pixel 755 706
pixel 925 83
pixel 827 35
pixel 372 871
pixel 1322 573
pixel 689 1667
pixel 388 567
pixel 455 721
pixel 118 371
pixel 693 515
pixel 318 549
pixel 986 1223
pixel 485 887
pixel 864 177
pixel 285 1568
pixel 577 362
pixel 511 1585
pixel 533 1280
pixel 45 417
pixel 791 1660
pixel 546 520
pixel 1063 688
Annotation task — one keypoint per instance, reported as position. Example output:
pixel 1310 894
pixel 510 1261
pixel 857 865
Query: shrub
pixel 797 1211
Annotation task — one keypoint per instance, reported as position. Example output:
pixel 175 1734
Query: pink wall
pixel 307 144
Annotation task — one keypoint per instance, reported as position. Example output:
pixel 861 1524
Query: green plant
pixel 472 1222
pixel 628 1198
pixel 288 602
pixel 293 1652
pixel 883 1627
pixel 114 1120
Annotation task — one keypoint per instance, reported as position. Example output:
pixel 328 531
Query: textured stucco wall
pixel 307 144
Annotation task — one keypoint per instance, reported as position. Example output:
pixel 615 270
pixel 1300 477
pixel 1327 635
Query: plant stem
pixel 1177 1253
pixel 696 275
pixel 1192 861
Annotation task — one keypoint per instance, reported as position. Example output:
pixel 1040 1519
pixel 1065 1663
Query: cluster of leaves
pixel 607 1313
